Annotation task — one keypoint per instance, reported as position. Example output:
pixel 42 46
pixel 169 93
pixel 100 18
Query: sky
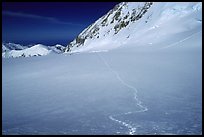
pixel 49 23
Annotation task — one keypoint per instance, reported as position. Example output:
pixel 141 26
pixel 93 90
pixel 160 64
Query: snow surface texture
pixel 132 129
pixel 12 50
pixel 151 84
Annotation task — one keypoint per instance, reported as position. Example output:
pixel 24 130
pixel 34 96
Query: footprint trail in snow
pixel 143 108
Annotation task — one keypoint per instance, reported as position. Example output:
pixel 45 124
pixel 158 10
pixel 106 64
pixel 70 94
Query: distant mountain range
pixel 12 50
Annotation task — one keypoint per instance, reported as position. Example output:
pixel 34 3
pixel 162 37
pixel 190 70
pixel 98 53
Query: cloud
pixel 33 16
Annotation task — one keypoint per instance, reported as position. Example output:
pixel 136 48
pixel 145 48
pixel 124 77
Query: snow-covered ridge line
pixel 121 16
pixel 129 22
pixel 11 50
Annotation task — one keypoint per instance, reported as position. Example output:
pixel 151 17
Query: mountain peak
pixel 126 20
pixel 16 50
pixel 111 23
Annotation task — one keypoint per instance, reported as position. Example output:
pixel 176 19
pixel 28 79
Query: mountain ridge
pixel 12 50
pixel 129 19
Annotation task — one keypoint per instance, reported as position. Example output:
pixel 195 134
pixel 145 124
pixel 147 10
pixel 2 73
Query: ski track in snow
pixel 175 43
pixel 131 129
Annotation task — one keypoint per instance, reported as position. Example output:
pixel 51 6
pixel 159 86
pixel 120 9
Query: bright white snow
pixel 132 89
pixel 160 21
pixel 23 51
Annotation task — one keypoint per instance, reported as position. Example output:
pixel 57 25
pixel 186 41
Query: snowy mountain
pixel 150 84
pixel 16 50
pixel 12 46
pixel 36 50
pixel 57 48
pixel 129 22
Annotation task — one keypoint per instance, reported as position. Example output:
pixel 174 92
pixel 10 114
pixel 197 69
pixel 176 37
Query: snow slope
pixel 133 21
pixel 147 85
pixel 79 94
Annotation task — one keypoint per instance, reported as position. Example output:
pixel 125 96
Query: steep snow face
pixel 108 26
pixel 36 50
pixel 129 22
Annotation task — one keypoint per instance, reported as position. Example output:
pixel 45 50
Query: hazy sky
pixel 49 23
